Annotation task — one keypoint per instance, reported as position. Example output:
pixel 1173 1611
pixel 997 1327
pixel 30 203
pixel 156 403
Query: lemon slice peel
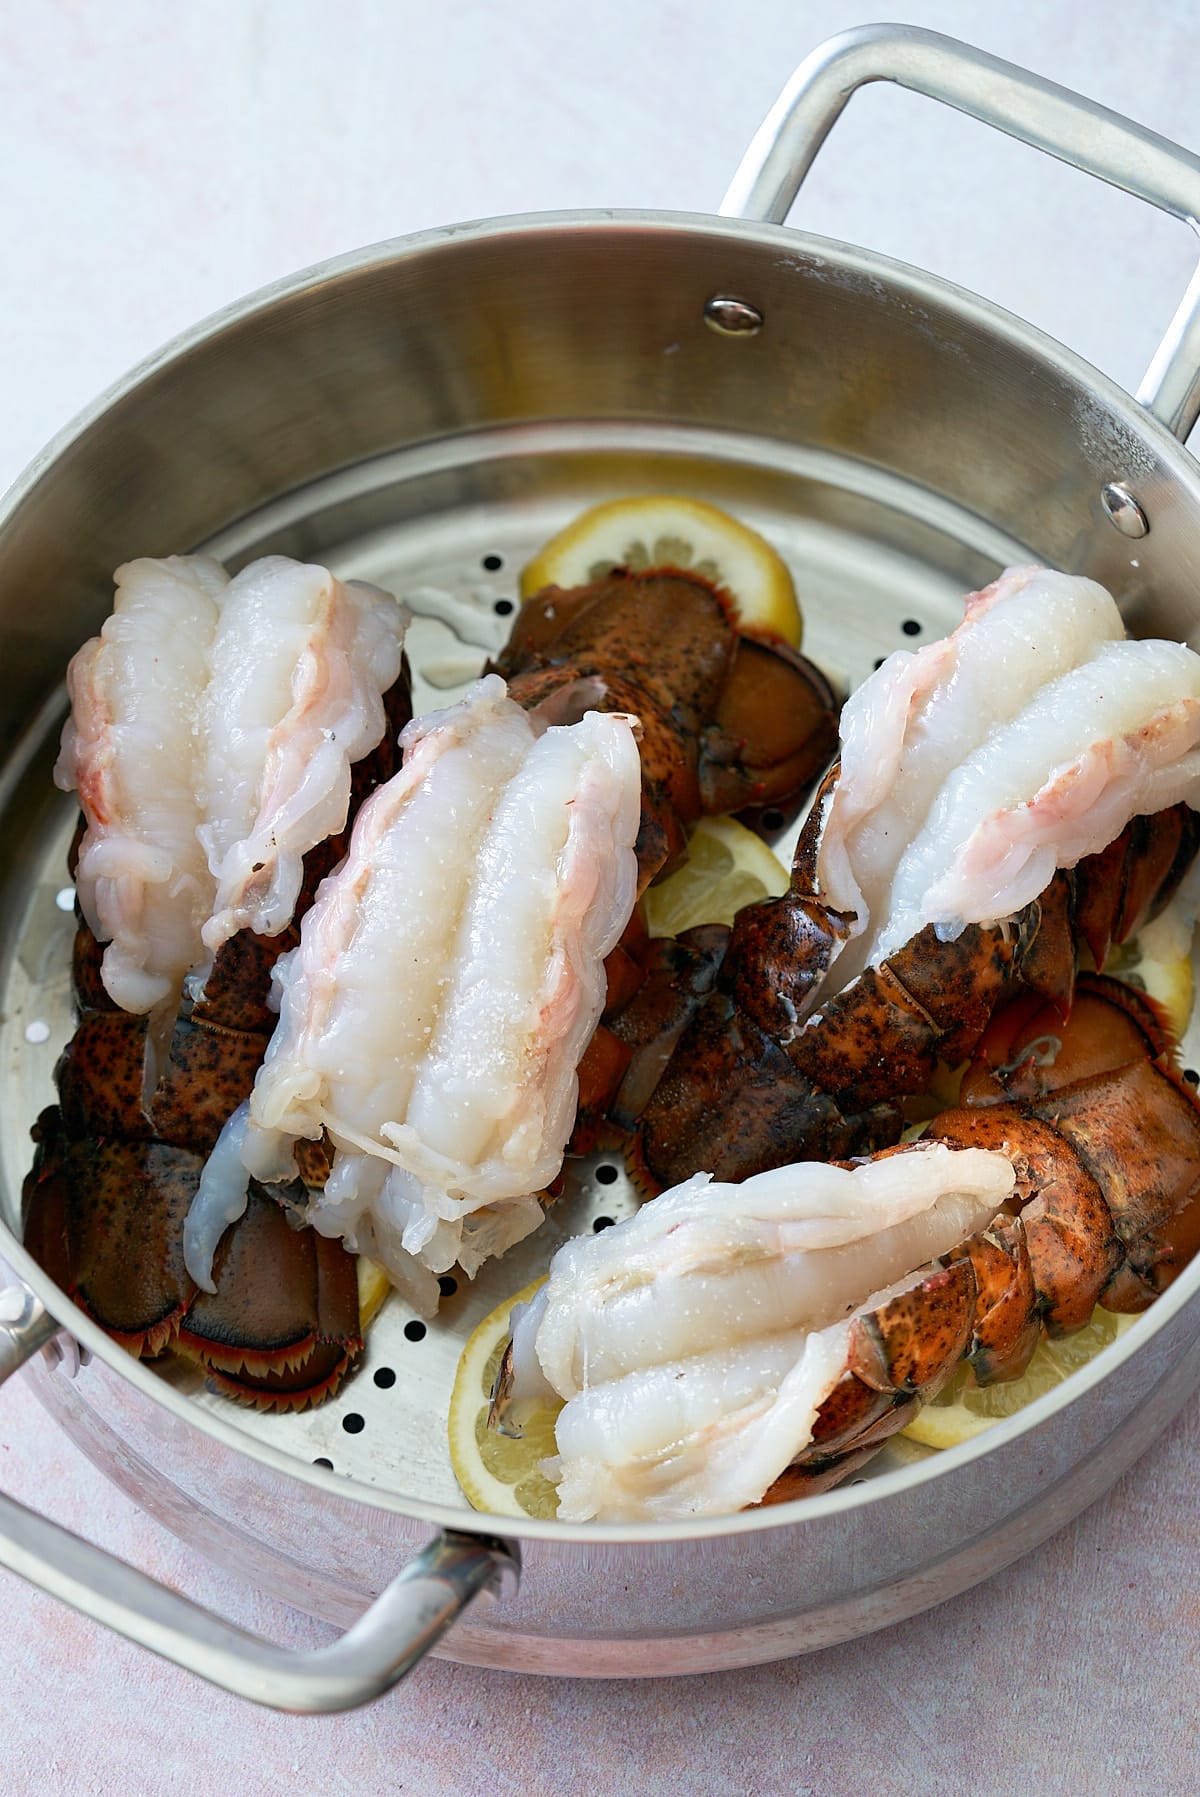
pixel 374 1288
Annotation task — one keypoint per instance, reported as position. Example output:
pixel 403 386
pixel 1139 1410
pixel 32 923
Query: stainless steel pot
pixel 426 413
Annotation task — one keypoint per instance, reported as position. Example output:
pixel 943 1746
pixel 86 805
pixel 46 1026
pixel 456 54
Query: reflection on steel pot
pixel 424 414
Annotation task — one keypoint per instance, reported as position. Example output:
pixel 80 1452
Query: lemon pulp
pixel 498 1473
pixel 727 866
pixel 963 1409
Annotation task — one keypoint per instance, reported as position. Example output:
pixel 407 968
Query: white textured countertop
pixel 160 161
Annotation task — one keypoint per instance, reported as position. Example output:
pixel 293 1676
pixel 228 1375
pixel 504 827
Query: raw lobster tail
pixel 750 1343
pixel 285 1342
pixel 759 1077
pixel 114 1174
pixel 924 890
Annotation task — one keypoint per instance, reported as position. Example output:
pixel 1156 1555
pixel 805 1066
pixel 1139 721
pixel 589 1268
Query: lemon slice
pixel 727 867
pixel 498 1473
pixel 963 1409
pixel 665 531
pixel 1159 963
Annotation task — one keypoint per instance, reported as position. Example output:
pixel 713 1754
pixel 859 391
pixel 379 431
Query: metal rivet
pixel 1124 510
pixel 732 317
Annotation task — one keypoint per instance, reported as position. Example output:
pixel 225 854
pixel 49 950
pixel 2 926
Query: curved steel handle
pixel 1038 112
pixel 373 1655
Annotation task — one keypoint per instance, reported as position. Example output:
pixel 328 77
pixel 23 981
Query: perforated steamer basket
pixel 425 414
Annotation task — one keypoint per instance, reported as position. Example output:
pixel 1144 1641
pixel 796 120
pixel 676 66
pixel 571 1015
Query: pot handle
pixel 998 93
pixel 399 1629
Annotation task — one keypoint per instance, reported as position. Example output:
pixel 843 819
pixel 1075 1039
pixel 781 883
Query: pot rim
pixel 916 285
